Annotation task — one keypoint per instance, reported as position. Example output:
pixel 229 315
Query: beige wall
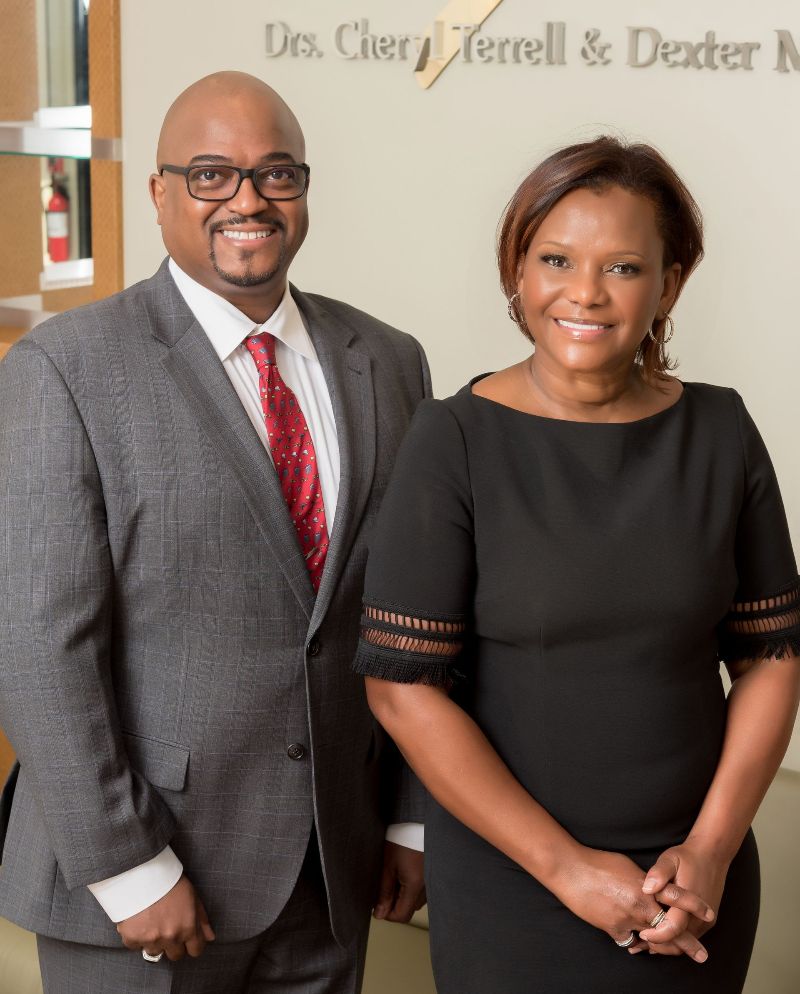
pixel 408 184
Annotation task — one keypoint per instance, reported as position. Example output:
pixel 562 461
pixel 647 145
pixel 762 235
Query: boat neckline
pixel 570 421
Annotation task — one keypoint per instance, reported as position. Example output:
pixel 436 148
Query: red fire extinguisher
pixel 57 217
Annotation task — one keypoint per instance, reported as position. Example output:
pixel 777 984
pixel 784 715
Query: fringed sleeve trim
pixel 401 667
pixel 406 648
pixel 763 628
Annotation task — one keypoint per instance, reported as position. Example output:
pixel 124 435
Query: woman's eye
pixel 556 261
pixel 624 268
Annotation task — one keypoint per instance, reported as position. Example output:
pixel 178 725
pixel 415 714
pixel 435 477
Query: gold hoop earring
pixel 517 316
pixel 668 338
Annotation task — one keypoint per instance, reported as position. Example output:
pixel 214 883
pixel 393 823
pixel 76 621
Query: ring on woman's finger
pixel 627 942
pixel 150 958
pixel 658 918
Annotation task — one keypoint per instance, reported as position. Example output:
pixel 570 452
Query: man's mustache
pixel 274 222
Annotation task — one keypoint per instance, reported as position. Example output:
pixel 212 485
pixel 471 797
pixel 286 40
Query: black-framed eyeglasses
pixel 279 181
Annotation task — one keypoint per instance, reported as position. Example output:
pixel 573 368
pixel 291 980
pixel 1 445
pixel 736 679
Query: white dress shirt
pixel 297 360
pixel 128 893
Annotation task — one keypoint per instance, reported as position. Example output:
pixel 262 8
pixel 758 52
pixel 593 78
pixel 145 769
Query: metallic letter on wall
pixel 442 43
pixel 787 49
pixel 634 59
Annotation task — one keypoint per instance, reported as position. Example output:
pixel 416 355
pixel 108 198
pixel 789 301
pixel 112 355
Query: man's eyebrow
pixel 207 157
pixel 223 159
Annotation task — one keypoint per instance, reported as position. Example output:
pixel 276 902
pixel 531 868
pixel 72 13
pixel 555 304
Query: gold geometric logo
pixel 440 42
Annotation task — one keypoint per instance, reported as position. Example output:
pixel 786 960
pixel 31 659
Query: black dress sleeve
pixel 420 573
pixel 764 620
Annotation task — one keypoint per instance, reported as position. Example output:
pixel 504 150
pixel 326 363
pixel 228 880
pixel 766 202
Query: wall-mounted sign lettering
pixel 457 34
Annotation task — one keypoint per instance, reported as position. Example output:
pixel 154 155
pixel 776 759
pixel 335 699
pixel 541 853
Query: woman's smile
pixel 583 330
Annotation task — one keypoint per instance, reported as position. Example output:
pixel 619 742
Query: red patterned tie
pixel 293 454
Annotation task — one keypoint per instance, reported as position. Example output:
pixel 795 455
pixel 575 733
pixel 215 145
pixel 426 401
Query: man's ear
pixel 158 192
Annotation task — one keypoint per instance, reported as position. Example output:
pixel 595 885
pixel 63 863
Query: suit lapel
pixel 204 384
pixel 348 374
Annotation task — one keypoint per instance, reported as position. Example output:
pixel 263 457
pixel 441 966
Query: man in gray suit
pixel 177 618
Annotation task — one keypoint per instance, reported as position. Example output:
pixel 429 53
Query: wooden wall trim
pixel 105 96
pixel 105 82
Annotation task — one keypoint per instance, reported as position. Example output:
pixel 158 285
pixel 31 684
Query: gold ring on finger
pixel 626 942
pixel 658 918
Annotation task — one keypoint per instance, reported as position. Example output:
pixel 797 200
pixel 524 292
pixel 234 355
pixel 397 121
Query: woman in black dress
pixel 567 550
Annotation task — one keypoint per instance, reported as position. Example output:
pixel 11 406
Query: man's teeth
pixel 243 235
pixel 581 326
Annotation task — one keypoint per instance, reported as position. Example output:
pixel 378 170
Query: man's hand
pixel 177 924
pixel 402 890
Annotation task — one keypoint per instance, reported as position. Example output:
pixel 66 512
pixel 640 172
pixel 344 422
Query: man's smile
pixel 238 235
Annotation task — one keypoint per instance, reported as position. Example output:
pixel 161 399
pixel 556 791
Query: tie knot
pixel 262 348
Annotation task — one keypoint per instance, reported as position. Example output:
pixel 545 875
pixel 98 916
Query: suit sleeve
pixel 57 700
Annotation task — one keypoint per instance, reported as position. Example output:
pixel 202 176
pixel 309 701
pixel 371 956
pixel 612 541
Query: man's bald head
pixel 222 93
pixel 240 246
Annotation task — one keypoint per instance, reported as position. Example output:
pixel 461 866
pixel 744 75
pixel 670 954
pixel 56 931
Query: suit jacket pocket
pixel 163 764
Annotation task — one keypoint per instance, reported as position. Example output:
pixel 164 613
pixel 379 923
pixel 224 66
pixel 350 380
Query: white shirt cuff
pixel 410 834
pixel 130 892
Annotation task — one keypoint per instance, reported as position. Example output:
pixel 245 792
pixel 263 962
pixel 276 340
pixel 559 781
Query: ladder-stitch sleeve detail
pixel 764 628
pixel 404 648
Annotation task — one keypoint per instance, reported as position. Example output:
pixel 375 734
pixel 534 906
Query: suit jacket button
pixel 296 751
pixel 314 647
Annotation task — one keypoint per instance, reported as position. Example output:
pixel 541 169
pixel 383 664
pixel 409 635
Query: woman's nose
pixel 587 288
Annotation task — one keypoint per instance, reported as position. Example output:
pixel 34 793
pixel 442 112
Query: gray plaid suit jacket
pixel 160 643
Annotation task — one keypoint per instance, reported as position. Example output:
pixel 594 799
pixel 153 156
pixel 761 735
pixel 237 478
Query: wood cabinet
pixel 30 289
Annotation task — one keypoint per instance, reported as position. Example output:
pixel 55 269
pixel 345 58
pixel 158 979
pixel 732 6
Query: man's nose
pixel 247 199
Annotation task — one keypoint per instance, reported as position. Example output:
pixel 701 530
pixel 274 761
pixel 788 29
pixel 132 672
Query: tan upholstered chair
pixel 19 965
pixel 398 958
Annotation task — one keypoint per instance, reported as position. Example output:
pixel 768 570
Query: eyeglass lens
pixel 277 182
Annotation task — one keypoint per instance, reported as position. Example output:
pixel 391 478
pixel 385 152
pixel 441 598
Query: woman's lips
pixel 583 329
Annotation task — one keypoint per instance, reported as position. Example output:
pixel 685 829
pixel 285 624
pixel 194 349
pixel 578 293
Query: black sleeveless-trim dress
pixel 578 585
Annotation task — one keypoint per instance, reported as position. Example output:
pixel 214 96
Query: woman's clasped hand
pixel 608 890
pixel 684 866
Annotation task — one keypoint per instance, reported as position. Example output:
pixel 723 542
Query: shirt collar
pixel 227 327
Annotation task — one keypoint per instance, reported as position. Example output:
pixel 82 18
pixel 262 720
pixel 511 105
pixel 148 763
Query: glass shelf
pixel 26 138
pixel 64 275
